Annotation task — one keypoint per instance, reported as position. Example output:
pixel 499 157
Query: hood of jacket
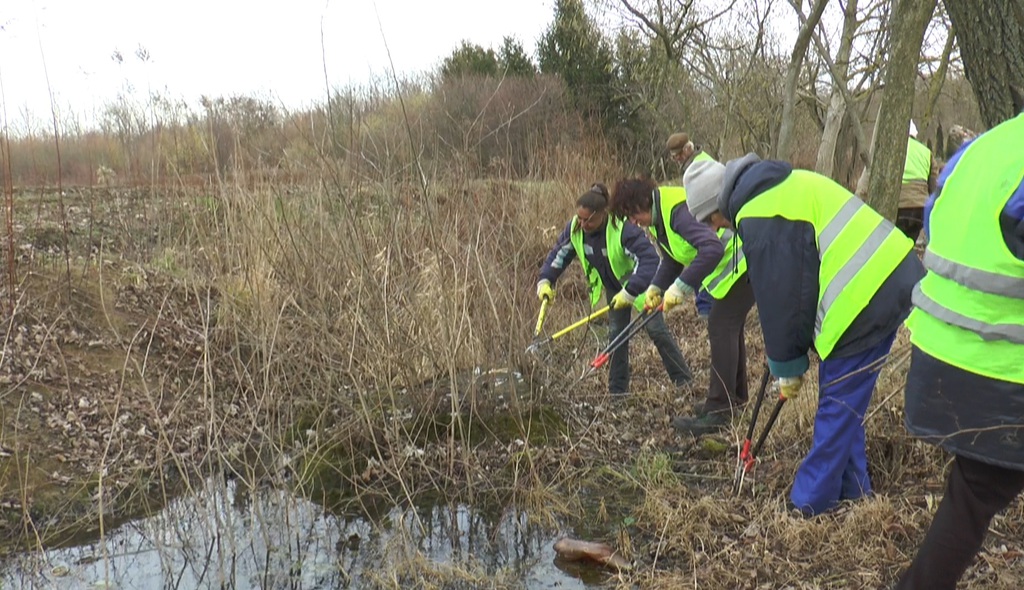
pixel 747 177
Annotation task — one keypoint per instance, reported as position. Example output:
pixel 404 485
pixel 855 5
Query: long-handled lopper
pixel 623 337
pixel 748 456
pixel 537 343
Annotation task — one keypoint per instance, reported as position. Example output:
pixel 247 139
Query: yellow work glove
pixel 545 290
pixel 675 294
pixel 789 387
pixel 652 299
pixel 622 300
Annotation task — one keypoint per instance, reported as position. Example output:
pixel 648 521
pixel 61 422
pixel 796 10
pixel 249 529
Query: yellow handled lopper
pixel 536 345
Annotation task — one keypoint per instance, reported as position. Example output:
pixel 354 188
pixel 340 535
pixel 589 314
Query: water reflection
pixel 227 537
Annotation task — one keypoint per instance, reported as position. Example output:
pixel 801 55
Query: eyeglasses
pixel 586 221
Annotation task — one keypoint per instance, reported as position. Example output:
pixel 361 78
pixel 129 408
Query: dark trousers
pixel 657 329
pixel 910 220
pixel 728 379
pixel 975 492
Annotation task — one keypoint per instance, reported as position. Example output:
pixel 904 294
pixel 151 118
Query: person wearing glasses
pixel 618 258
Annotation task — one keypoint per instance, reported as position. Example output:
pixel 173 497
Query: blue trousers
pixel 836 468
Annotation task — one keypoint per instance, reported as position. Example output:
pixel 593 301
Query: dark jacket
pixel 634 242
pixel 966 413
pixel 783 263
pixel 709 248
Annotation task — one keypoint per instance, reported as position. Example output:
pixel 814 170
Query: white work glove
pixel 676 294
pixel 622 300
pixel 789 387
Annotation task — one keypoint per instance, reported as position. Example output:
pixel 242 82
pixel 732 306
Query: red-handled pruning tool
pixel 623 337
pixel 748 455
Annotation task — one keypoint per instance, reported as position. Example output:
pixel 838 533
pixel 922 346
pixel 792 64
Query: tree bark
pixel 991 36
pixel 837 104
pixel 865 174
pixel 889 145
pixel 796 60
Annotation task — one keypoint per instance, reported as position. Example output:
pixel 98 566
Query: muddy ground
pixel 105 369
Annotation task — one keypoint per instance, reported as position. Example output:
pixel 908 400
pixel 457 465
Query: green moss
pixel 653 469
pixel 537 426
pixel 325 474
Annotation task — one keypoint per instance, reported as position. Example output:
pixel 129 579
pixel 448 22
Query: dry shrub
pixel 395 294
pixel 496 125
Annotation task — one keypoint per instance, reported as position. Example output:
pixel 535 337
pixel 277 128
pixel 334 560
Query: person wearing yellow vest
pixel 683 152
pixel 965 385
pixel 732 299
pixel 690 250
pixel 828 273
pixel 918 182
pixel 616 257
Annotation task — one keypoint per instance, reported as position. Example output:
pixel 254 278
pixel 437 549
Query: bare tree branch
pixel 858 128
pixel 803 39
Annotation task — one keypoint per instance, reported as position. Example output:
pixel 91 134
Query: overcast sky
pixel 223 47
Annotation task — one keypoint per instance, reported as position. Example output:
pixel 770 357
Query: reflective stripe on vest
pixel 731 267
pixel 987 331
pixel 883 228
pixel 666 199
pixel 975 278
pixel 918 165
pixel 857 248
pixel 621 261
pixel 969 308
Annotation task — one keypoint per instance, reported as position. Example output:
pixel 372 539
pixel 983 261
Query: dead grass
pixel 352 349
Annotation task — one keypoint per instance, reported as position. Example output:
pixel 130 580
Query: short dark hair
pixel 633 195
pixel 595 199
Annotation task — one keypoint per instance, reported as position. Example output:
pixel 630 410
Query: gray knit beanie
pixel 703 182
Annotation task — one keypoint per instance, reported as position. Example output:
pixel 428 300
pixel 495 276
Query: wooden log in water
pixel 602 553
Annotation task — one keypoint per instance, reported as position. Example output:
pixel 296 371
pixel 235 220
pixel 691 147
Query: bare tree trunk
pixel 889 146
pixel 865 174
pixel 796 60
pixel 826 160
pixel 991 36
pixel 837 104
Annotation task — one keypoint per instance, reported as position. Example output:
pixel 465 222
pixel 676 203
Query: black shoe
pixel 700 425
pixel 736 409
pixel 798 512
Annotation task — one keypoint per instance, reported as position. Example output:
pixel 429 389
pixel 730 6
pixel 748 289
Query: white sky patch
pixel 224 47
